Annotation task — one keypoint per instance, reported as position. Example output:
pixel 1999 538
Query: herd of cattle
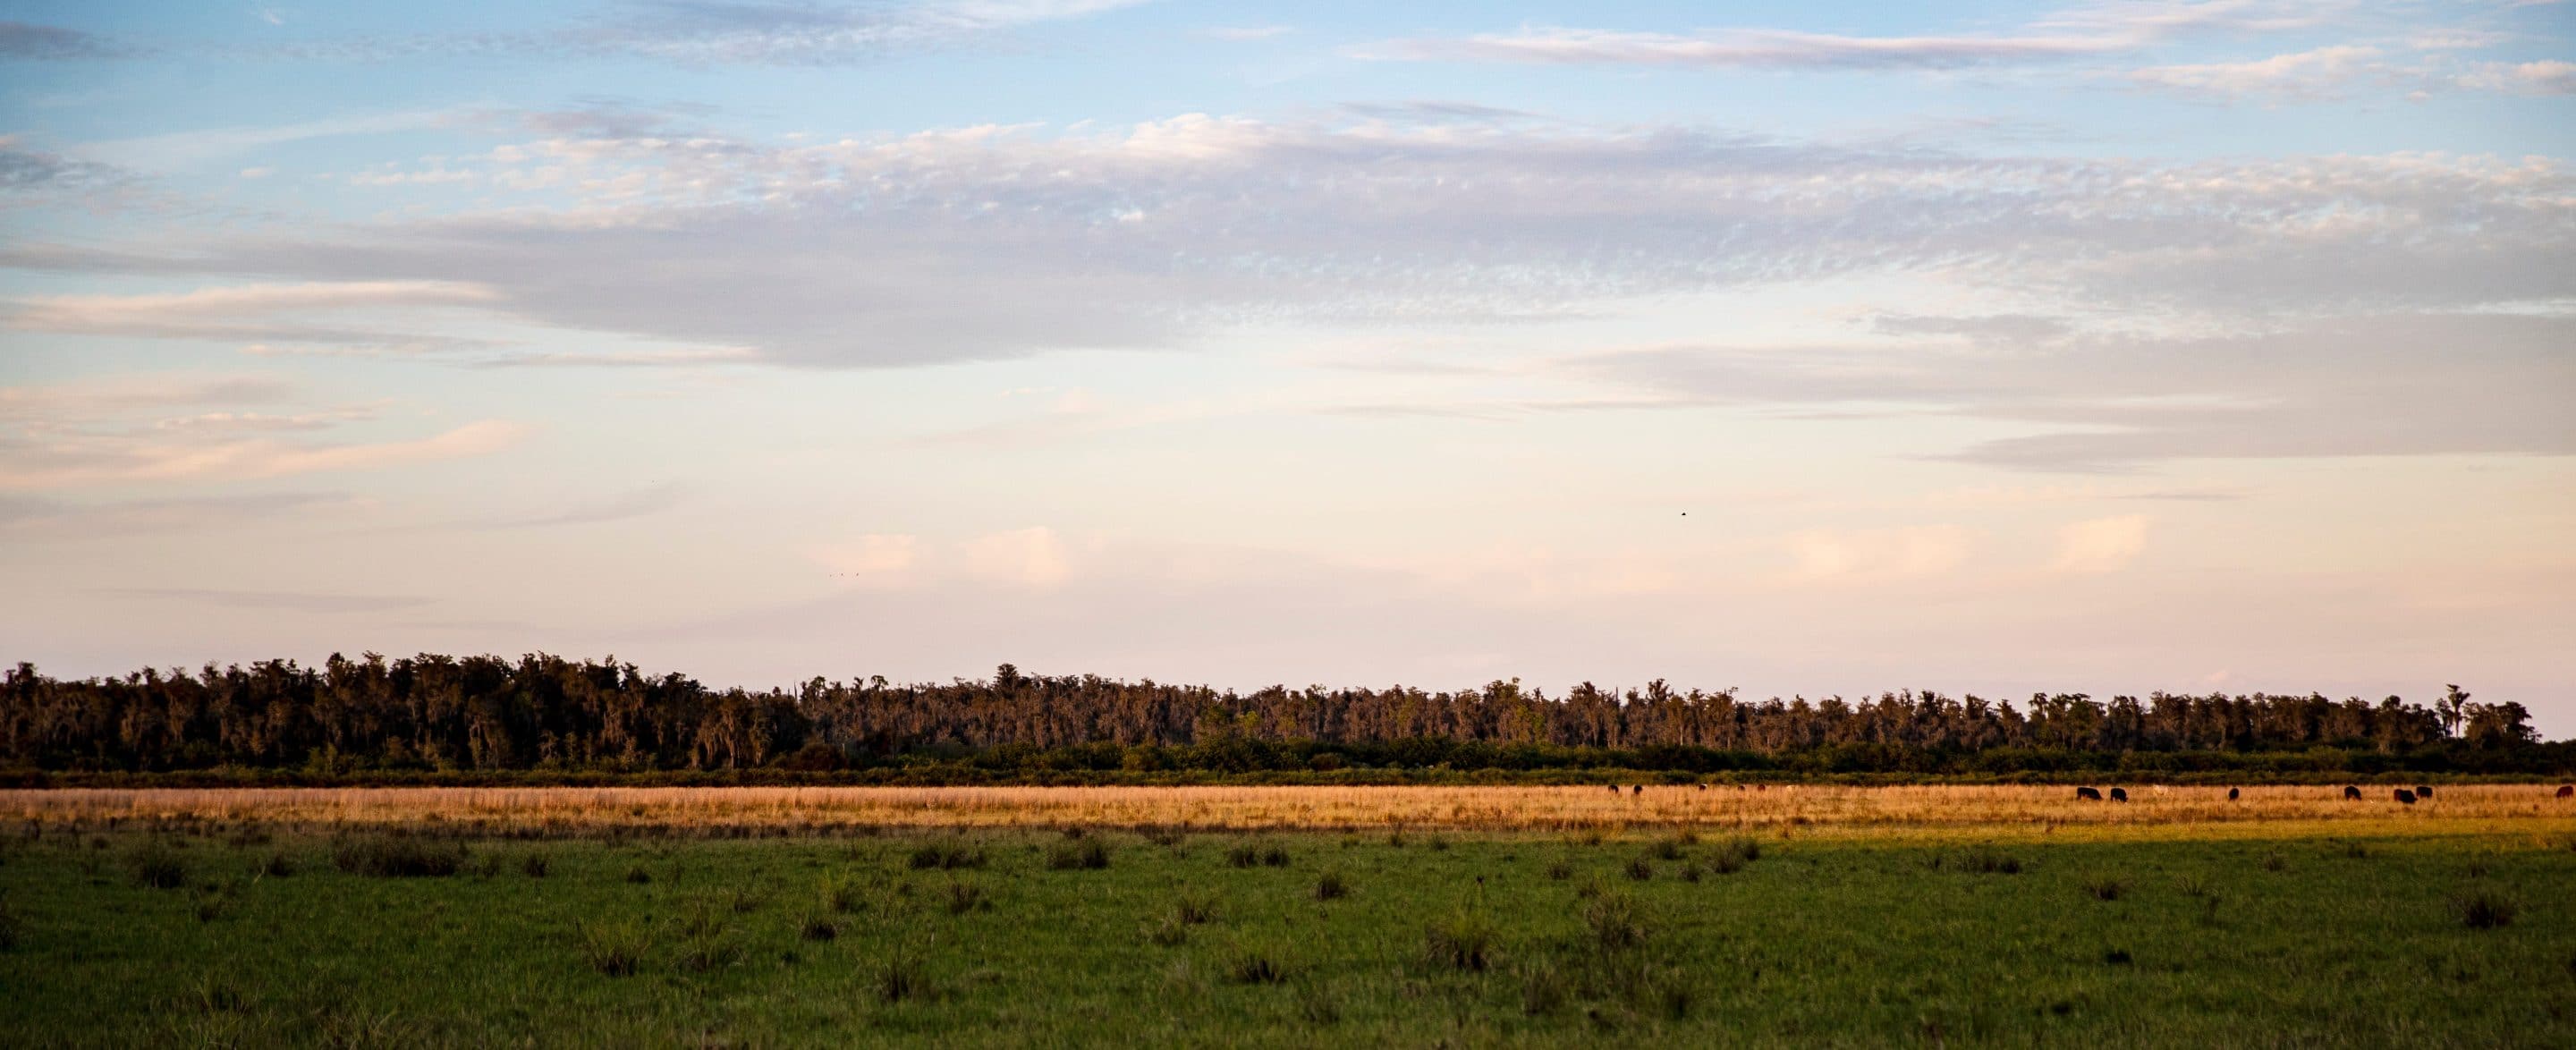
pixel 2350 792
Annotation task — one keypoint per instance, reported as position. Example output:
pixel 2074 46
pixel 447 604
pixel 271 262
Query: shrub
pixel 1615 921
pixel 1464 941
pixel 2105 889
pixel 158 866
pixel 1085 854
pixel 2484 909
pixel 398 857
pixel 1331 886
pixel 1253 967
pixel 615 949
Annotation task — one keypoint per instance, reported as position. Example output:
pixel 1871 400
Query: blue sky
pixel 1801 348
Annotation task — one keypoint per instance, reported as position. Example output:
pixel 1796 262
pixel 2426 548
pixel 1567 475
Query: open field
pixel 2156 812
pixel 1923 916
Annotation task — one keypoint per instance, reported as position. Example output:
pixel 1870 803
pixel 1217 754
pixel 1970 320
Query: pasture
pixel 1288 917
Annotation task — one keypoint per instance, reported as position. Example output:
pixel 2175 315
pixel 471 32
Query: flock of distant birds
pixel 2351 793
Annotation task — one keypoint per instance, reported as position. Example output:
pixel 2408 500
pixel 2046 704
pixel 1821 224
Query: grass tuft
pixel 2105 889
pixel 158 866
pixel 398 857
pixel 1615 921
pixel 614 948
pixel 1086 854
pixel 1331 886
pixel 1464 941
pixel 2482 908
pixel 1254 967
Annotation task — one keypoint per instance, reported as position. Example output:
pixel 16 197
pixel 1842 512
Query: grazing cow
pixel 1761 787
pixel 1614 789
pixel 1636 789
pixel 1703 787
pixel 2231 794
pixel 2092 793
pixel 2119 794
pixel 2405 796
pixel 2567 790
pixel 2423 791
pixel 2351 793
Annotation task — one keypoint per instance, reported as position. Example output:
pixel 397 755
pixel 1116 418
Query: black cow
pixel 2119 794
pixel 2092 793
pixel 2423 791
pixel 2405 796
pixel 2231 794
pixel 1636 789
pixel 2351 793
pixel 1703 787
pixel 2567 790
pixel 1614 789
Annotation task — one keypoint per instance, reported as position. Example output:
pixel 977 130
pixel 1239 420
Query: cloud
pixel 30 175
pixel 1030 557
pixel 2385 385
pixel 23 41
pixel 2102 545
pixel 1878 554
pixel 985 243
pixel 1247 32
pixel 109 395
pixel 275 601
pixel 642 502
pixel 50 460
pixel 2324 72
pixel 731 32
pixel 1743 49
pixel 252 312
pixel 2526 78
pixel 27 517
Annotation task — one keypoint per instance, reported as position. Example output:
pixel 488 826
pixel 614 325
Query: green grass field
pixel 1220 939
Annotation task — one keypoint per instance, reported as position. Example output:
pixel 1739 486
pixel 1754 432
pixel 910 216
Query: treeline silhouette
pixel 547 716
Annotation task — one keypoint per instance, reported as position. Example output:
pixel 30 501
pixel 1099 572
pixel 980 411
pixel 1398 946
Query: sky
pixel 1805 349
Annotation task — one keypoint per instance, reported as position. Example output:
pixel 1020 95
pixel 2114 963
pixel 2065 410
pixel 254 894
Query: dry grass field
pixel 1940 811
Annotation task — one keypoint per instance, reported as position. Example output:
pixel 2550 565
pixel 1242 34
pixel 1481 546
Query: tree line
pixel 546 713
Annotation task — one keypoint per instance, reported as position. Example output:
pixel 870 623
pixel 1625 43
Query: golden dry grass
pixel 2157 812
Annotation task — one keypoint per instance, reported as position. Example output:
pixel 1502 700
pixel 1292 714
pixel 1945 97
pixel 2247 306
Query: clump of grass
pixel 1668 849
pixel 1673 993
pixel 637 875
pixel 1464 941
pixel 1169 933
pixel 1560 871
pixel 1276 856
pixel 841 895
pixel 160 867
pixel 1615 921
pixel 2105 889
pixel 946 856
pixel 398 857
pixel 2482 908
pixel 12 928
pixel 614 948
pixel 2478 869
pixel 1193 910
pixel 2275 862
pixel 1641 869
pixel 1544 989
pixel 1163 836
pixel 818 927
pixel 1250 966
pixel 713 950
pixel 1732 855
pixel 535 865
pixel 1331 886
pixel 1987 860
pixel 2192 886
pixel 1083 855
pixel 1242 855
pixel 963 897
pixel 217 994
pixel 278 866
pixel 901 977
pixel 2356 851
pixel 212 903
pixel 1692 872
pixel 1318 1007
pixel 2116 957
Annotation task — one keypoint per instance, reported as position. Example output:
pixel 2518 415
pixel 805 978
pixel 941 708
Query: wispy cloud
pixel 54 460
pixel 1742 49
pixel 25 42
pixel 275 601
pixel 733 32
